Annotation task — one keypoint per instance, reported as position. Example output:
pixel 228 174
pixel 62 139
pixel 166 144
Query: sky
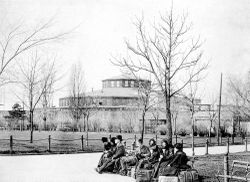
pixel 103 25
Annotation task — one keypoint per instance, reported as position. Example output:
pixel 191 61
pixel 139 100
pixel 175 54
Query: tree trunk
pixel 192 134
pixel 31 126
pixel 143 125
pixel 168 121
pixel 84 123
pixel 210 130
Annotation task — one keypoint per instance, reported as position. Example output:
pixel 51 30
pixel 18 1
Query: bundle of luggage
pixel 165 163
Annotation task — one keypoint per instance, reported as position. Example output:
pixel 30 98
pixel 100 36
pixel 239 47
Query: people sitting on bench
pixel 132 158
pixel 152 159
pixel 167 154
pixel 112 165
pixel 178 163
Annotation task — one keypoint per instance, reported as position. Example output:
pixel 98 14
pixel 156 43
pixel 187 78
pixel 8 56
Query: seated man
pixel 152 159
pixel 141 152
pixel 155 152
pixel 113 163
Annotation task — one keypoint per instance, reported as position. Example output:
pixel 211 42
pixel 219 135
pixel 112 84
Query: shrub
pixel 161 129
pixel 182 132
pixel 212 134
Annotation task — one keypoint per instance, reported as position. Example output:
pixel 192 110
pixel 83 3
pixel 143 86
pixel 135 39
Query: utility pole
pixel 219 129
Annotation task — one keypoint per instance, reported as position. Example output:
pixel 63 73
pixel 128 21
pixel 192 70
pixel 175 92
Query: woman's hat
pixel 119 137
pixel 178 146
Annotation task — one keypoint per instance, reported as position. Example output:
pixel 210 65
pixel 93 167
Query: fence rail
pixel 51 144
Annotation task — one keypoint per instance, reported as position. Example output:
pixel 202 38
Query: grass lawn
pixel 208 166
pixel 67 142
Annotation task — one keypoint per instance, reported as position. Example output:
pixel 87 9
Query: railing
pixel 83 144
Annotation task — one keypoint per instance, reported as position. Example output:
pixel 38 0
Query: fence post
pixel 135 137
pixel 109 137
pixel 226 168
pixel 246 144
pixel 176 138
pixel 182 143
pixel 11 144
pixel 156 138
pixel 206 147
pixel 49 143
pixel 228 145
pixel 87 139
pixel 82 143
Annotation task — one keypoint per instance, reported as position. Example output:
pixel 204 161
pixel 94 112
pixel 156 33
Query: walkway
pixel 71 167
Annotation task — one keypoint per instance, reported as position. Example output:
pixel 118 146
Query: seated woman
pixel 180 158
pixel 179 162
pixel 104 141
pixel 165 157
pixel 106 157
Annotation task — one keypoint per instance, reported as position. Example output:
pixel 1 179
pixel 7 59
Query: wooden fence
pixel 85 144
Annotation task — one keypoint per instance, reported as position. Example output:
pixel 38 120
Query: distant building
pixel 120 91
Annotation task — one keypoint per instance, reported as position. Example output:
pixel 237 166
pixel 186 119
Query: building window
pixel 112 83
pixel 119 84
pixel 126 83
pixel 108 84
pixel 132 84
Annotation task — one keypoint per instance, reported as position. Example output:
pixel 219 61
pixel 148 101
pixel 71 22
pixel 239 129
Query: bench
pixel 238 167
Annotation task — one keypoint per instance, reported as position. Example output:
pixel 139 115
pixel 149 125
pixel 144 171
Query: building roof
pixel 114 92
pixel 122 77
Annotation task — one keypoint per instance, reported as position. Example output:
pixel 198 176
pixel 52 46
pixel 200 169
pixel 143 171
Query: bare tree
pixel 191 98
pixel 49 90
pixel 212 117
pixel 167 54
pixel 20 40
pixel 147 99
pixel 77 90
pixel 81 104
pixel 35 76
pixel 239 91
pixel 238 94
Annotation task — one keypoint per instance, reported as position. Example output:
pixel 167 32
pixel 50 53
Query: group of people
pixel 164 160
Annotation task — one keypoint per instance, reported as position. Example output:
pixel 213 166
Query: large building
pixel 120 91
pixel 117 104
